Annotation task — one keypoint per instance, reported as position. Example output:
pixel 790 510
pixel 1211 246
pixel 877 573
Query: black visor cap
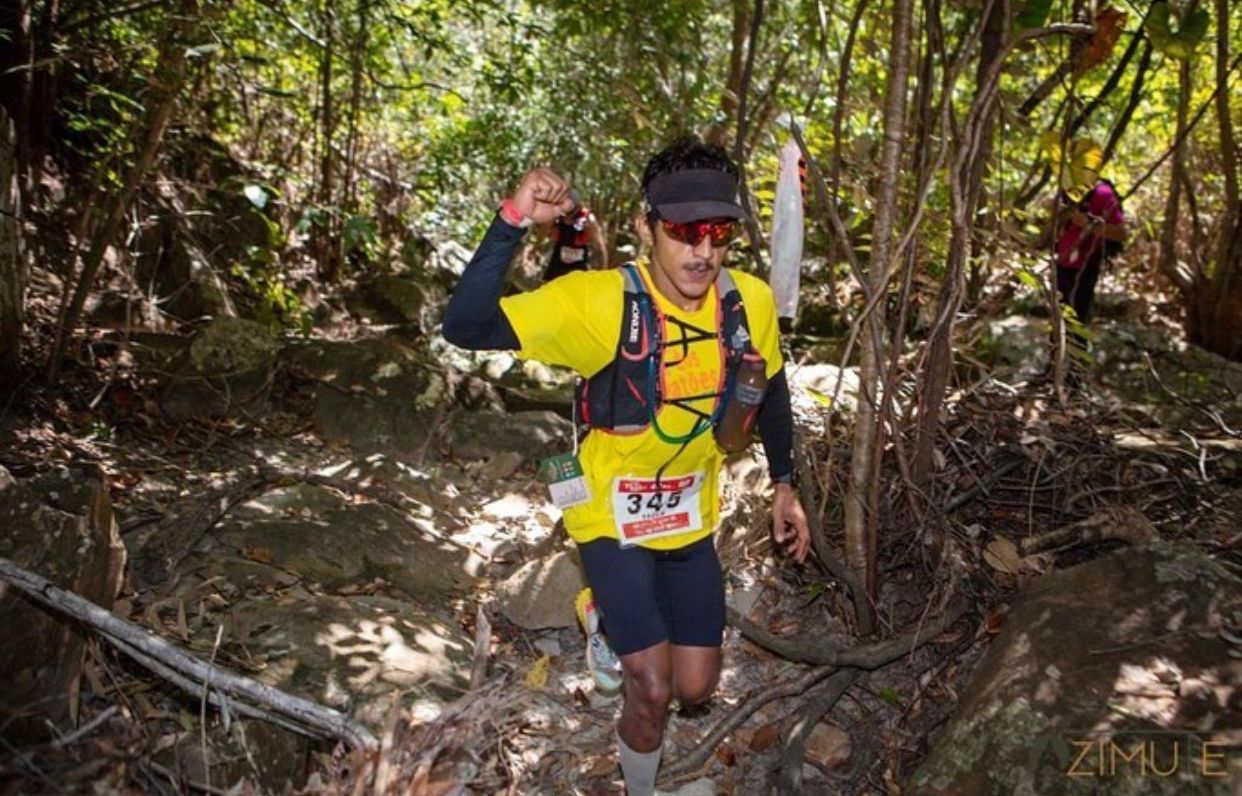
pixel 694 195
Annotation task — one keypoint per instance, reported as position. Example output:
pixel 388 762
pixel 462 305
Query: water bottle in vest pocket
pixel 733 430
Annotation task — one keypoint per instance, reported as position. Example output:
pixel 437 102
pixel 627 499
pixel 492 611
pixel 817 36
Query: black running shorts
pixel 648 596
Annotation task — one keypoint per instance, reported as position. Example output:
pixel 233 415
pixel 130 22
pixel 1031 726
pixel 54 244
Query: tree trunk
pixel 160 100
pixel 836 254
pixel 860 517
pixel 327 244
pixel 44 88
pixel 991 50
pixel 16 55
pixel 1168 235
pixel 768 103
pixel 12 260
pixel 1110 85
pixel 739 141
pixel 1136 96
pixel 1228 144
pixel 972 150
pixel 718 132
pixel 27 93
pixel 1215 317
pixel 357 59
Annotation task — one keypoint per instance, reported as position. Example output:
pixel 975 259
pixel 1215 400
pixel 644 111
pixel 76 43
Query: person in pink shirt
pixel 1092 230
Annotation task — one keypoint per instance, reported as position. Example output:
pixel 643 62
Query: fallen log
pixel 223 688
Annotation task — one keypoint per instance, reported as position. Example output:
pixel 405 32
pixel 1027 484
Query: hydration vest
pixel 625 395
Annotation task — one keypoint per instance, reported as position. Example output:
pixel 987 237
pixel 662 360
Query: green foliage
pixel 257 195
pixel 262 272
pixel 359 236
pixel 1078 163
pixel 1179 43
pixel 1028 279
pixel 1077 328
pixel 889 695
pixel 440 105
pixel 1032 14
pixel 278 305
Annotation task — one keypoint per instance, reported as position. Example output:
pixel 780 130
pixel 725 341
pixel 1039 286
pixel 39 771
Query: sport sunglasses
pixel 721 230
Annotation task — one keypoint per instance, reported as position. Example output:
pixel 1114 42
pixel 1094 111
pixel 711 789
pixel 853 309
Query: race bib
pixel 642 512
pixel 572 254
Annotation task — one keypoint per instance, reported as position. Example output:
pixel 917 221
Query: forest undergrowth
pixel 1024 484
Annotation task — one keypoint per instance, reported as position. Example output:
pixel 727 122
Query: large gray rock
pixel 1017 344
pixel 816 314
pixel 199 233
pixel 541 593
pixel 341 602
pixel 376 396
pixel 813 387
pixel 1168 378
pixel 358 653
pixel 532 434
pixel 1097 660
pixel 186 283
pixel 425 492
pixel 60 526
pixel 226 370
pixel 315 534
pixel 229 346
pixel 411 300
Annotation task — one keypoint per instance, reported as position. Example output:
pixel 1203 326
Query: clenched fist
pixel 543 195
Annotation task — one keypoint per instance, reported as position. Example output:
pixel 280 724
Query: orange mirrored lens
pixel 691 232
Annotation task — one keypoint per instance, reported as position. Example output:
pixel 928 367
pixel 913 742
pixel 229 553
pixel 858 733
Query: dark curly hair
pixel 687 152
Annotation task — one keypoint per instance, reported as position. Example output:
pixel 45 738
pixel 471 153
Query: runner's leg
pixel 691 589
pixel 1084 295
pixel 648 690
pixel 696 670
pixel 624 584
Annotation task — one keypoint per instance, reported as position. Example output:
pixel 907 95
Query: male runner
pixel 657 342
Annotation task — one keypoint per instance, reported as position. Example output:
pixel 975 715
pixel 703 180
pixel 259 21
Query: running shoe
pixel 602 662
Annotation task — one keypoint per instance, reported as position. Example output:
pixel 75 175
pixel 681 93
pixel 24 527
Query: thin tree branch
pixel 1123 121
pixel 1181 138
pixel 111 14
pixel 826 695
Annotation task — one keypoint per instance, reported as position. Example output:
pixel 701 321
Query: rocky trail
pixel 357 522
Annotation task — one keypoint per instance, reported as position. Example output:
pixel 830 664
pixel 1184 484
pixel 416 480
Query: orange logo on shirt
pixel 694 375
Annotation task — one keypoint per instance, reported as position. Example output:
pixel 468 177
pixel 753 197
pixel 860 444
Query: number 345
pixel 656 501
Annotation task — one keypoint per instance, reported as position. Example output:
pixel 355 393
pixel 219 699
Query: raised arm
pixel 473 318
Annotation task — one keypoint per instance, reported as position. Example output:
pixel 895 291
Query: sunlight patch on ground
pixel 509 507
pixel 732 679
pixel 425 710
pixel 379 650
pixel 1147 691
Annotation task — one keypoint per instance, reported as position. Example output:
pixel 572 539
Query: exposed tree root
pixel 788 774
pixel 865 657
pixel 441 756
pixel 1120 523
